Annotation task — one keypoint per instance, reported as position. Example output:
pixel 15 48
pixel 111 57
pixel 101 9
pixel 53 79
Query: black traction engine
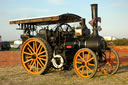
pixel 55 42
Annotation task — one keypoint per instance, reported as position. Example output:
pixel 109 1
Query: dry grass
pixel 16 75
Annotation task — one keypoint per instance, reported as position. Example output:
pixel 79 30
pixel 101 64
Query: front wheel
pixel 110 62
pixel 85 63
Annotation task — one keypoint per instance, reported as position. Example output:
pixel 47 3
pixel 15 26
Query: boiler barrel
pixel 92 43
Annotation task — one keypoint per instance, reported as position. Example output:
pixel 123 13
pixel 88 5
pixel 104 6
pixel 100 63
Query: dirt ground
pixel 10 58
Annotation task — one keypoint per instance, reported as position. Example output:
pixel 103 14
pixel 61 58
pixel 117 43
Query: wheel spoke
pixel 82 70
pixel 114 62
pixel 35 66
pixel 27 53
pixel 28 57
pixel 42 63
pixel 30 47
pixel 105 68
pixel 38 48
pixel 80 67
pixel 109 54
pixel 42 59
pixel 81 57
pixel 112 67
pixel 34 46
pixel 109 68
pixel 31 63
pixel 89 69
pixel 29 50
pixel 83 54
pixel 79 62
pixel 91 64
pixel 88 56
pixel 90 59
pixel 113 56
pixel 41 53
pixel 42 56
pixel 28 60
pixel 32 66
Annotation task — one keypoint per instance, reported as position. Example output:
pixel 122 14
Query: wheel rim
pixel 34 56
pixel 110 62
pixel 85 63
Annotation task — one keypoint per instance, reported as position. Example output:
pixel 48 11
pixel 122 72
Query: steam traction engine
pixel 61 44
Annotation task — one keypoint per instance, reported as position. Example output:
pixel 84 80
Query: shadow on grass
pixel 68 72
pixel 123 69
pixel 71 72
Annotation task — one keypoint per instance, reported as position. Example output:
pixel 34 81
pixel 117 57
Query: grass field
pixel 16 75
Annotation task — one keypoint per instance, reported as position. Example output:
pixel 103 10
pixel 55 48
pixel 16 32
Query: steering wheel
pixel 64 28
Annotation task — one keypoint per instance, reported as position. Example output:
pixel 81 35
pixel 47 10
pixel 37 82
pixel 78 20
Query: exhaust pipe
pixel 94 9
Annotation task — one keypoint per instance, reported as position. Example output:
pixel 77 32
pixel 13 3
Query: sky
pixel 114 14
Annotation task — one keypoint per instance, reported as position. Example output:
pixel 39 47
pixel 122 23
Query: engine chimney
pixel 94 8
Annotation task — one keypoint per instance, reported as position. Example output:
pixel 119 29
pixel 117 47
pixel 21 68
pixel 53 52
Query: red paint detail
pixel 69 46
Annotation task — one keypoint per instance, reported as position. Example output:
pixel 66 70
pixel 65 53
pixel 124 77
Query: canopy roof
pixel 64 18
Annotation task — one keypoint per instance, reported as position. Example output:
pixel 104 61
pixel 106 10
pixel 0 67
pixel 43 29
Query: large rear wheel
pixel 85 63
pixel 36 55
